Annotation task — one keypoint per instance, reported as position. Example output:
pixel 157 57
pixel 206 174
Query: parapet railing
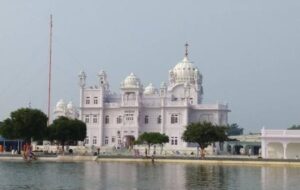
pixel 280 133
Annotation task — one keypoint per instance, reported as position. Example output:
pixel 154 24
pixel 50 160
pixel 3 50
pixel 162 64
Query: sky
pixel 247 51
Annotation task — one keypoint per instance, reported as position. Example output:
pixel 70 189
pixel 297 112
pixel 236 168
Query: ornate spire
pixel 186 49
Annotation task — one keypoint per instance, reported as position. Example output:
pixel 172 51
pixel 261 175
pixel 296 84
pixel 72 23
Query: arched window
pixel 175 141
pixel 146 119
pixel 106 140
pixel 174 118
pixel 87 100
pixel 87 119
pixel 159 119
pixel 95 100
pixel 119 119
pixel 106 119
pixel 95 119
pixel 94 140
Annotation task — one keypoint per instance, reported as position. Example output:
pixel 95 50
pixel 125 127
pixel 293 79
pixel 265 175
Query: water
pixel 122 175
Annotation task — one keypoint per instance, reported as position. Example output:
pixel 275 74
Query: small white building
pixel 116 119
pixel 283 144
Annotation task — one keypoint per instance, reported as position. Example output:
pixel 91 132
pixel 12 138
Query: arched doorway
pixel 275 150
pixel 128 141
pixel 293 151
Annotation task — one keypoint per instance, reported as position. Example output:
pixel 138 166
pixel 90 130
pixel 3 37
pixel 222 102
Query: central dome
pixel 184 71
pixel 131 81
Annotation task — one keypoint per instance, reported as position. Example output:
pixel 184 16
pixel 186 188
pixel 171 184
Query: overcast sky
pixel 247 51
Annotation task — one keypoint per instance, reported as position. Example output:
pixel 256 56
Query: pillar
pixel 284 150
pixel 264 149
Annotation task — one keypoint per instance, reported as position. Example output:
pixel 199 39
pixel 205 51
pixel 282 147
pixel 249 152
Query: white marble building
pixel 116 119
pixel 282 144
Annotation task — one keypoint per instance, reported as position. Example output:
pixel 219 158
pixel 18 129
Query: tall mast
pixel 49 77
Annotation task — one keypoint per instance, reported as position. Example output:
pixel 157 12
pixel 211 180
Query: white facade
pixel 114 119
pixel 282 144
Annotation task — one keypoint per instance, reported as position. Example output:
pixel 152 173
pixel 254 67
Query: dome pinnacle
pixel 186 49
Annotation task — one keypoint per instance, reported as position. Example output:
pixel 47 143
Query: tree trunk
pixel 149 146
pixel 202 153
pixel 63 147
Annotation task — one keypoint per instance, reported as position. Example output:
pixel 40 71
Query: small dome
pixel 131 81
pixel 70 106
pixel 184 71
pixel 60 106
pixel 149 89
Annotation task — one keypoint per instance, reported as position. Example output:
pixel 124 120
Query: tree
pixel 204 134
pixel 26 124
pixel 234 129
pixel 66 130
pixel 294 127
pixel 152 138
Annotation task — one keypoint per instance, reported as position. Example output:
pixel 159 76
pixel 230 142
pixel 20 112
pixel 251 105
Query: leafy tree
pixel 234 129
pixel 152 138
pixel 26 124
pixel 66 130
pixel 294 127
pixel 204 134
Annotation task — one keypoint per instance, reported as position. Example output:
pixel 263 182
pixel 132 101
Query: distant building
pixel 244 145
pixel 115 120
pixel 284 144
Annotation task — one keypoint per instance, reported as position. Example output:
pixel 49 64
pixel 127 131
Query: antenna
pixel 50 61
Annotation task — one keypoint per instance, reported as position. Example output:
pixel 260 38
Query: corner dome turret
pixel 131 81
pixel 150 90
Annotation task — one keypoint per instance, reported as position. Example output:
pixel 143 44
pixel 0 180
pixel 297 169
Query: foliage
pixel 152 138
pixel 66 130
pixel 234 129
pixel 204 134
pixel 294 127
pixel 26 124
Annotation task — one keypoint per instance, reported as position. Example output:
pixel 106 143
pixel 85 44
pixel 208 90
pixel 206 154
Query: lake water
pixel 122 175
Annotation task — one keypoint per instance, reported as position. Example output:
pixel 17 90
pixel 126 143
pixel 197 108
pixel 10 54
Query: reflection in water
pixel 280 178
pixel 121 175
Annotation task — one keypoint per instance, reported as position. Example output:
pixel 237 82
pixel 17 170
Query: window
pixel 113 139
pixel 146 119
pixel 106 140
pixel 95 118
pixel 95 100
pixel 87 119
pixel 174 118
pixel 119 119
pixel 174 140
pixel 94 140
pixel 87 100
pixel 159 119
pixel 129 117
pixel 87 140
pixel 106 119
